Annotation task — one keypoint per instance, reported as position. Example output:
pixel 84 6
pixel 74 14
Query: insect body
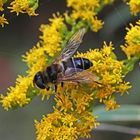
pixel 66 68
pixel 77 63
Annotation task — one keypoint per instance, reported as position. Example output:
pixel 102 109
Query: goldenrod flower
pixel 1 5
pixel 51 39
pixel 3 20
pixel 85 4
pixel 110 71
pixel 111 104
pixel 96 24
pixel 107 1
pixel 72 117
pixel 49 44
pixel 87 11
pixel 19 6
pixel 36 60
pixel 24 6
pixel 57 126
pixel 137 138
pixel 64 126
pixel 132 46
pixel 74 101
pixel 17 95
pixel 134 6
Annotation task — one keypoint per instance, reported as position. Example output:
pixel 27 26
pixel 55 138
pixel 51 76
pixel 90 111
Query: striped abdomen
pixel 81 63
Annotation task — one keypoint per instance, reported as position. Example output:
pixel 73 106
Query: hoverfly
pixel 66 68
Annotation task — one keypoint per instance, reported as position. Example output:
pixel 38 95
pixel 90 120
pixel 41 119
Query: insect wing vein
pixel 71 46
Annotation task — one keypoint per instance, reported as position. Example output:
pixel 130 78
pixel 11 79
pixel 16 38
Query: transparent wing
pixel 71 46
pixel 77 75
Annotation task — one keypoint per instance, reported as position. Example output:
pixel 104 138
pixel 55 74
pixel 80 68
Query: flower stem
pixel 129 64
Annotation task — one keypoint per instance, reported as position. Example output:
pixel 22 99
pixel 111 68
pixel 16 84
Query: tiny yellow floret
pixel 132 45
pixel 3 20
pixel 134 6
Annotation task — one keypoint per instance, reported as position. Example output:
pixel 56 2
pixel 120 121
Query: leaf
pixel 125 113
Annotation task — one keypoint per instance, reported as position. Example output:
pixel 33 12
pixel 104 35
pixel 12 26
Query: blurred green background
pixel 22 33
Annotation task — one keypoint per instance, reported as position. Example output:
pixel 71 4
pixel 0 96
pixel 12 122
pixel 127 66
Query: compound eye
pixel 38 80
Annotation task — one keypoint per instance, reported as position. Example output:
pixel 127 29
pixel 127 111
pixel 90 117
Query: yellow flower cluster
pixel 42 54
pixel 3 20
pixel 134 6
pixel 132 46
pixel 51 35
pixel 1 5
pixel 24 6
pixel 50 41
pixel 137 138
pixel 110 73
pixel 65 126
pixel 19 6
pixel 17 95
pixel 72 117
pixel 87 11
pixel 36 60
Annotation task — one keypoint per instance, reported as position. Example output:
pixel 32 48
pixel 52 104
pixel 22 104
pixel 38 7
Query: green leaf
pixel 129 64
pixel 125 113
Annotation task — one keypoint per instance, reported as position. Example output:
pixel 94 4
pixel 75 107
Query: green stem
pixel 75 28
pixel 4 1
pixel 129 64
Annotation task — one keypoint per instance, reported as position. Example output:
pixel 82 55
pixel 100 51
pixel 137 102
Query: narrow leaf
pixel 125 113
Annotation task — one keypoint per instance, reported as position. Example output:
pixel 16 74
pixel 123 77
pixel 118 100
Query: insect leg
pixel 55 88
pixel 47 88
pixel 100 84
pixel 62 84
